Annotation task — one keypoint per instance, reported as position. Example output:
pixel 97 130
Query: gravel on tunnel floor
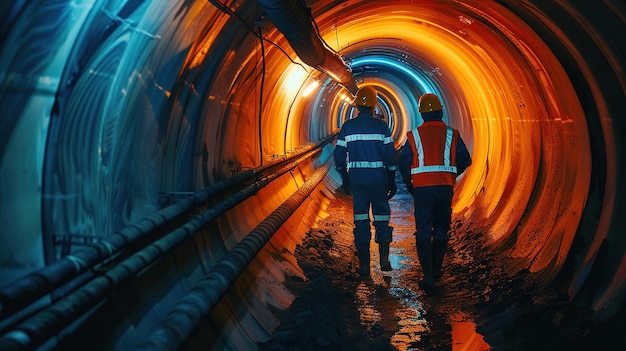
pixel 476 306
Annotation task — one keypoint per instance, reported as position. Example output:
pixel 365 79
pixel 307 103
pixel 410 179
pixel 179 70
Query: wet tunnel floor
pixel 476 306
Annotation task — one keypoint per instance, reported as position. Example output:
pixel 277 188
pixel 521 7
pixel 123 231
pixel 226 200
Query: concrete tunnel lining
pixel 146 98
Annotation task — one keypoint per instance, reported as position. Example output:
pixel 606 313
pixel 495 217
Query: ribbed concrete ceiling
pixel 107 104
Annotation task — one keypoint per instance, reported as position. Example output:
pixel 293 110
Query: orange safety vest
pixel 434 154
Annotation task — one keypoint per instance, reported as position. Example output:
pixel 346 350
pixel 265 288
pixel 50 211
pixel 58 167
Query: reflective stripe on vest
pixel 446 167
pixel 365 164
pixel 368 137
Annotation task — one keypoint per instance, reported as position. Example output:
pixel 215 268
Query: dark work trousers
pixel 433 211
pixel 365 196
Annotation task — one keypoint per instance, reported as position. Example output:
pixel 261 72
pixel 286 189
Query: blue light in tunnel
pixel 425 84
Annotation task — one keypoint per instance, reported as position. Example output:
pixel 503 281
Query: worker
pixel 365 155
pixel 431 159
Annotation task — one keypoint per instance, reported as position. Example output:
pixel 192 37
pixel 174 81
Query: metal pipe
pixel 43 325
pixel 26 290
pixel 294 20
pixel 181 322
pixel 29 288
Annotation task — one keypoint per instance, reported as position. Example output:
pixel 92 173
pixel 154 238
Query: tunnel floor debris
pixel 477 306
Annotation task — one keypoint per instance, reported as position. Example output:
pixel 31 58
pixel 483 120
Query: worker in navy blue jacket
pixel 365 155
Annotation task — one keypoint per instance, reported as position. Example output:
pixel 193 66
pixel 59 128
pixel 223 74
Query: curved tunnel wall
pixel 108 105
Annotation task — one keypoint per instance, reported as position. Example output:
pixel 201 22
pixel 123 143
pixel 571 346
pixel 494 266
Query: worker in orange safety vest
pixel 430 161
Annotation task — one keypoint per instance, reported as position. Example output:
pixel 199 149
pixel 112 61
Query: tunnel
pixel 161 161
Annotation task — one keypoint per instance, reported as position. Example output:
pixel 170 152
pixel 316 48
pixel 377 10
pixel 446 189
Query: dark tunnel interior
pixel 153 150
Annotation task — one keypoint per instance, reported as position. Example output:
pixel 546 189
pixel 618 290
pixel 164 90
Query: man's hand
pixel 346 181
pixel 392 188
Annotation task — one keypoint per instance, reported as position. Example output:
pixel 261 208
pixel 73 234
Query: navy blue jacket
pixel 365 149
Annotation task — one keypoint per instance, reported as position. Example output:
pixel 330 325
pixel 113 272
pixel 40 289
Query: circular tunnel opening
pixel 509 96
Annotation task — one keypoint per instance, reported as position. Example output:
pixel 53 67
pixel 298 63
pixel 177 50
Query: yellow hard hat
pixel 366 96
pixel 429 103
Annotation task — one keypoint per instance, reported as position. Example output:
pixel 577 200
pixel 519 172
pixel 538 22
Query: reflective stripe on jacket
pixel 433 146
pixel 365 149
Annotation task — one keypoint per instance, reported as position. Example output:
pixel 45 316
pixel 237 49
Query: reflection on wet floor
pixel 338 309
pixel 479 304
pixel 394 302
pixel 464 335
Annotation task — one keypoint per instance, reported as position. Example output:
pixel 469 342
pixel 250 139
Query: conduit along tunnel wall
pixel 124 122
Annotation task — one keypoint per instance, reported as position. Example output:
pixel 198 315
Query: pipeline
pixel 181 322
pixel 27 289
pixel 294 20
pixel 46 323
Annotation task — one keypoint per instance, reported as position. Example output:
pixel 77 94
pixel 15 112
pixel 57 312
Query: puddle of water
pixel 391 304
pixel 464 335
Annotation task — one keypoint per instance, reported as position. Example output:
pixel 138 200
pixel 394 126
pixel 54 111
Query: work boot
pixel 364 262
pixel 439 251
pixel 383 250
pixel 425 255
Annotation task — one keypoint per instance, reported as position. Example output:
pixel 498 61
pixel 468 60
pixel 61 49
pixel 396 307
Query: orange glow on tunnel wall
pixel 134 106
pixel 514 106
pixel 283 122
